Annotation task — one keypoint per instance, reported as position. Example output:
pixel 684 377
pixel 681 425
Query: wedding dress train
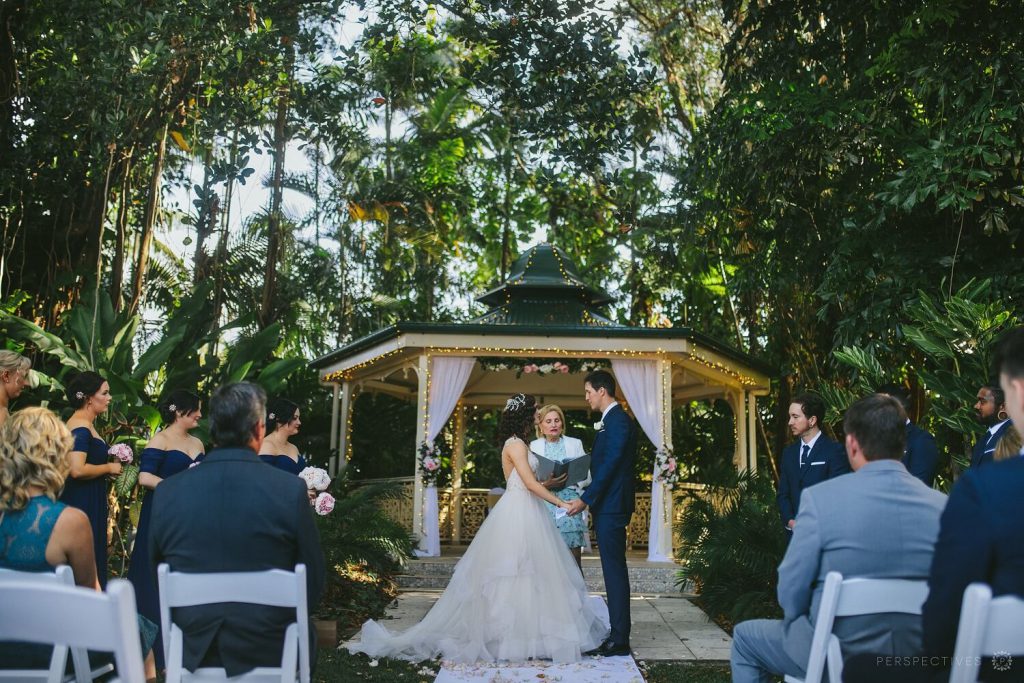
pixel 516 594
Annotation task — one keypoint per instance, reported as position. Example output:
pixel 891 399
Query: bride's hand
pixel 564 504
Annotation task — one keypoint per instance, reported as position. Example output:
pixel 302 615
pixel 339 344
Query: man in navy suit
pixel 991 411
pixel 922 455
pixel 610 498
pixel 234 513
pixel 811 459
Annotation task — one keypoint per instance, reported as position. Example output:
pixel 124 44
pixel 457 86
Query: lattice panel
pixel 474 510
pixel 400 510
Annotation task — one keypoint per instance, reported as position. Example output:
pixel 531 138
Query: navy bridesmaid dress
pixel 163 464
pixel 284 462
pixel 90 495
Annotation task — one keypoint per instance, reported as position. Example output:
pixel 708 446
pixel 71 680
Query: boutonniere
pixel 599 425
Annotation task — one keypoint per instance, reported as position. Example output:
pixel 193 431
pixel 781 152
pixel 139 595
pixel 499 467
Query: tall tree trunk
pixel 274 227
pixel 148 221
pixel 123 209
pixel 506 228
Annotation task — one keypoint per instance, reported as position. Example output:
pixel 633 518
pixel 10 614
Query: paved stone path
pixel 664 628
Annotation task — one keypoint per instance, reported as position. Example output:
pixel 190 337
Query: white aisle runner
pixel 590 670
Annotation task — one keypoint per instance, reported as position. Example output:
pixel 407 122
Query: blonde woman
pixel 553 444
pixel 1008 446
pixel 14 375
pixel 39 532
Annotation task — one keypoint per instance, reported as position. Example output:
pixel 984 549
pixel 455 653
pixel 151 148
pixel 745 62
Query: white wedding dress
pixel 516 594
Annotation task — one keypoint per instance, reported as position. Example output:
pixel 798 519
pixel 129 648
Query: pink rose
pixel 530 368
pixel 324 504
pixel 564 369
pixel 671 463
pixel 430 465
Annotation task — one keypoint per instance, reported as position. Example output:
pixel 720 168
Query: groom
pixel 610 498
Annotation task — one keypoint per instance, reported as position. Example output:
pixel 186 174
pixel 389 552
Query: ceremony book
pixel 578 468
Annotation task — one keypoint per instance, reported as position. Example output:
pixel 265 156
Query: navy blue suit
pixel 981 538
pixel 234 513
pixel 986 446
pixel 921 458
pixel 611 498
pixel 826 460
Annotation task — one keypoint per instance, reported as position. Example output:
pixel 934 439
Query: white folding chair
pixel 71 617
pixel 849 598
pixel 62 576
pixel 989 627
pixel 275 588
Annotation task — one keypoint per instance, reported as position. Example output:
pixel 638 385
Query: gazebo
pixel 547 320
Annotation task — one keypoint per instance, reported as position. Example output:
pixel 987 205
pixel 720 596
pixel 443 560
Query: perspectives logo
pixel 1002 661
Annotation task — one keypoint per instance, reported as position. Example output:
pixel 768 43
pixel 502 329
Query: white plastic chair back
pixel 274 588
pixel 850 598
pixel 71 617
pixel 62 576
pixel 989 627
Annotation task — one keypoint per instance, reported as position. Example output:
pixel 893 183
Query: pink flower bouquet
pixel 316 478
pixel 122 452
pixel 324 504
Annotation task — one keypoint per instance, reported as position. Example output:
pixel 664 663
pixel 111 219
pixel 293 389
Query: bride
pixel 516 594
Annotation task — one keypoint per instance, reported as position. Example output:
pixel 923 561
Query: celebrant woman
pixel 553 444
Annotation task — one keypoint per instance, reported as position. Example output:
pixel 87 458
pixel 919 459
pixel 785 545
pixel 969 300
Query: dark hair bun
pixel 82 386
pixel 178 401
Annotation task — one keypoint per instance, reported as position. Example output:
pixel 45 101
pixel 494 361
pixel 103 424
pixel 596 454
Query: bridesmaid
pixel 86 486
pixel 14 369
pixel 282 422
pixel 170 451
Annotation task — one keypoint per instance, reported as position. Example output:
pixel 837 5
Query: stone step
pixel 651 579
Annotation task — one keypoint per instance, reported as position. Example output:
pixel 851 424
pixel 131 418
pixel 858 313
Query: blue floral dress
pixel 141 572
pixel 284 462
pixel 572 528
pixel 90 495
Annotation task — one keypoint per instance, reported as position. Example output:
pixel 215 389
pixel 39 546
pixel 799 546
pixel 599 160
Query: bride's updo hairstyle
pixel 517 419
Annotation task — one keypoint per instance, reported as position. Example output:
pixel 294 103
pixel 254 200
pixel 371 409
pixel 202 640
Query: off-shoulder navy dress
pixel 90 495
pixel 284 462
pixel 162 464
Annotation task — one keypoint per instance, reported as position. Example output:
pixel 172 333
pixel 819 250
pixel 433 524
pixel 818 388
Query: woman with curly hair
pixel 38 533
pixel 14 376
pixel 516 594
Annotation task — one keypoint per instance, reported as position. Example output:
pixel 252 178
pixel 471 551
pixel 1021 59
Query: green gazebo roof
pixel 544 288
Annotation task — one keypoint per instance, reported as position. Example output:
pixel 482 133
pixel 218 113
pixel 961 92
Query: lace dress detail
pixel 516 594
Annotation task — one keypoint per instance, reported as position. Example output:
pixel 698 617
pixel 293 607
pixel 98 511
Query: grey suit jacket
pixel 877 522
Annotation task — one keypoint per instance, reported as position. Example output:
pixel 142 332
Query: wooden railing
pixel 475 507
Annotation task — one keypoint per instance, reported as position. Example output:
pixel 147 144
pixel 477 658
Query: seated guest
pixel 922 456
pixel 990 409
pixel 263 521
pixel 879 522
pixel 282 423
pixel 981 539
pixel 39 533
pixel 14 369
pixel 171 450
pixel 812 458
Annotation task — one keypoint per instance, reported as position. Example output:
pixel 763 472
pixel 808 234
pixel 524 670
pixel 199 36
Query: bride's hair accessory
pixel 516 402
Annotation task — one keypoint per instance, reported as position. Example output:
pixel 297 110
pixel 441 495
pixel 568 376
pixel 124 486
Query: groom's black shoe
pixel 610 649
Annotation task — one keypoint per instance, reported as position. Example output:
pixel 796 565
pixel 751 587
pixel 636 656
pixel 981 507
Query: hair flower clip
pixel 79 395
pixel 173 408
pixel 271 416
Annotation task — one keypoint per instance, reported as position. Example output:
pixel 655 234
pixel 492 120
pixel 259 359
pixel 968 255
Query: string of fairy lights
pixel 692 355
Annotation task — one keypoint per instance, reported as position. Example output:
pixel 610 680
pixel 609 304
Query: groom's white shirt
pixel 610 406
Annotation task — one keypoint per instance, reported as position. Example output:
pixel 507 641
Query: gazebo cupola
pixel 544 312
pixel 544 288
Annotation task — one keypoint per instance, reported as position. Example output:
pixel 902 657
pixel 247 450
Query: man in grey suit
pixel 878 522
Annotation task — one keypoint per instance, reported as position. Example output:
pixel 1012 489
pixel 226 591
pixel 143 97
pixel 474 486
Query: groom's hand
pixel 576 507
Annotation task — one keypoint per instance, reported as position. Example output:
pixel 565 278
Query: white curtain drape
pixel 448 378
pixel 640 382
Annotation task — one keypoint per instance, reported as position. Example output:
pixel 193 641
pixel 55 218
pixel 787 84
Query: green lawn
pixel 338 666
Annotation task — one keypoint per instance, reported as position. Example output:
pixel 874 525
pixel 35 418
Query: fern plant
pixel 732 543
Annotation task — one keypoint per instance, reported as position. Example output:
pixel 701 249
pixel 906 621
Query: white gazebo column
pixel 458 463
pixel 423 373
pixel 344 419
pixel 332 462
pixel 738 401
pixel 665 536
pixel 751 432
